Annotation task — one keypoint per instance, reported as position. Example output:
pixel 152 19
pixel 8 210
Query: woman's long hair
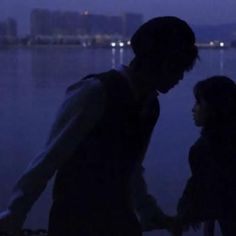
pixel 219 96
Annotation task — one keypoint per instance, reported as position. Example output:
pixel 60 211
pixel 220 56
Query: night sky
pixel 195 12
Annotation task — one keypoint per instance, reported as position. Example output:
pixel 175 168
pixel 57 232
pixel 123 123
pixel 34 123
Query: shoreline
pixel 8 46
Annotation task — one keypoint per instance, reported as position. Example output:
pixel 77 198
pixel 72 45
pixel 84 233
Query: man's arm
pixel 78 115
pixel 151 215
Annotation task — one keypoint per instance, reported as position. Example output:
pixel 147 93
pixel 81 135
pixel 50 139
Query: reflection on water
pixel 57 66
pixel 9 67
pixel 113 58
pixel 221 61
pixel 119 56
pixel 32 86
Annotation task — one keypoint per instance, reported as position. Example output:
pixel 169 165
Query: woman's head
pixel 215 102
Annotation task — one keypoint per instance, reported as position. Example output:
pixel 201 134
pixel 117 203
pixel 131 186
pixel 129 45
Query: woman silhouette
pixel 210 193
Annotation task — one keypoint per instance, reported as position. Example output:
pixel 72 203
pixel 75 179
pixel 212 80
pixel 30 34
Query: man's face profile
pixel 163 76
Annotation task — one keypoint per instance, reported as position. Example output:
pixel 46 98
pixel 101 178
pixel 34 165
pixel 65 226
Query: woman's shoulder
pixel 200 145
pixel 217 150
pixel 199 154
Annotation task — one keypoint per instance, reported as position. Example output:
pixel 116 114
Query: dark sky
pixel 194 11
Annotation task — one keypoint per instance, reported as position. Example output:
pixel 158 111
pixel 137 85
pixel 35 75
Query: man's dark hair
pixel 166 37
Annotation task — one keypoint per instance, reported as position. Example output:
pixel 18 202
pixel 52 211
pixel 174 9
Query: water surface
pixel 32 86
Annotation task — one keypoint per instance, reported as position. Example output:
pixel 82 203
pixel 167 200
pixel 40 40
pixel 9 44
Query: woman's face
pixel 200 113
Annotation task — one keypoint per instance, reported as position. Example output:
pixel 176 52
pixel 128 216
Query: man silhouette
pixel 99 139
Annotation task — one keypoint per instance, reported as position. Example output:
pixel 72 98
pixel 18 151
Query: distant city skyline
pixel 198 12
pixel 58 23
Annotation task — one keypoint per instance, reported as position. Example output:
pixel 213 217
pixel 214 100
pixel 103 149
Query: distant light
pixel 85 13
pixel 211 43
pixel 128 42
pixel 121 44
pixel 222 44
pixel 113 44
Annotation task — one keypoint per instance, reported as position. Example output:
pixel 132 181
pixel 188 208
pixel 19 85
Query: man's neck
pixel 140 90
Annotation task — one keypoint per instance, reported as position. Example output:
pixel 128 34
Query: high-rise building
pixel 2 29
pixel 41 22
pixel 8 28
pixel 53 23
pixel 115 25
pixel 11 28
pixel 68 23
pixel 93 24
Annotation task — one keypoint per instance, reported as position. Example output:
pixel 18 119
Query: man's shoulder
pixel 88 84
pixel 200 149
pixel 93 81
pixel 83 93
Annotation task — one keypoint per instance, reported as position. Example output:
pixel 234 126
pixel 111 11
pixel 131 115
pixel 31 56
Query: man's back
pixel 95 180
